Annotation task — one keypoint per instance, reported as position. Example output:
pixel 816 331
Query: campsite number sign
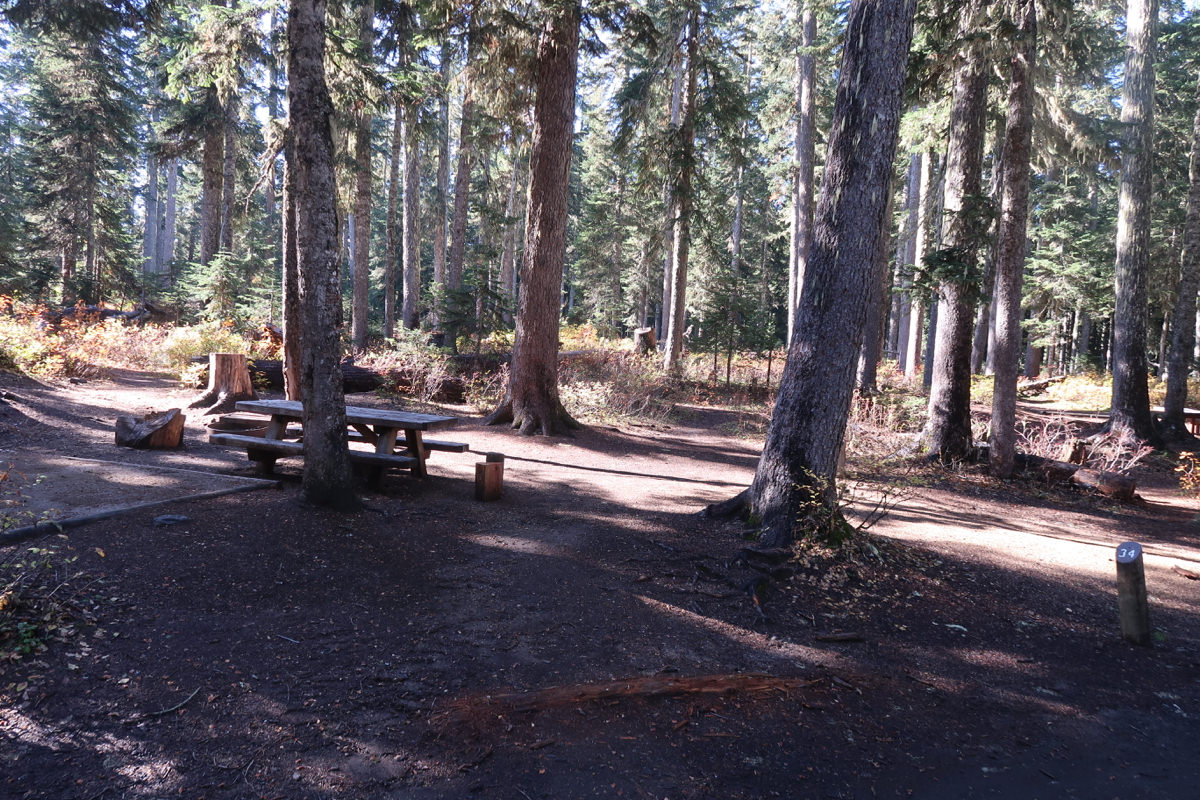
pixel 1128 552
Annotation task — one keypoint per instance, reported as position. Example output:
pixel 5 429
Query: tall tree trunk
pixel 462 174
pixel 795 475
pixel 150 262
pixel 508 251
pixel 916 315
pixel 948 432
pixel 327 478
pixel 669 189
pixel 442 178
pixel 213 168
pixel 290 290
pixel 1010 241
pixel 531 401
pixel 804 158
pixel 907 263
pixel 166 240
pixel 412 219
pixel 685 146
pixel 1183 316
pixel 869 353
pixel 1130 393
pixel 983 338
pixel 393 245
pixel 229 174
pixel 361 269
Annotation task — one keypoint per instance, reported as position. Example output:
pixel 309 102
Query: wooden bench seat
pixel 287 447
pixel 429 444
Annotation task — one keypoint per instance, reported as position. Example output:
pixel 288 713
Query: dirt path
pixel 590 636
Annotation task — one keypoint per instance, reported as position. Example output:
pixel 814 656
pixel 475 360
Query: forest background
pixel 140 159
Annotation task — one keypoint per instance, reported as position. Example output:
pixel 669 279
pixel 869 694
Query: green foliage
pixel 185 343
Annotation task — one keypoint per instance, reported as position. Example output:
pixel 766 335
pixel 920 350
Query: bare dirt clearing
pixel 590 636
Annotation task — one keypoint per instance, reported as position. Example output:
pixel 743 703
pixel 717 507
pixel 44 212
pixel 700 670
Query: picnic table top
pixel 361 415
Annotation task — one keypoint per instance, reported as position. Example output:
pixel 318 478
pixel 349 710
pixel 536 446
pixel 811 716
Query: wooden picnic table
pixel 379 427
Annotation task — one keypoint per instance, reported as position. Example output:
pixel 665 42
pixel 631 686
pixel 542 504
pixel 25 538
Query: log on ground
pixel 154 431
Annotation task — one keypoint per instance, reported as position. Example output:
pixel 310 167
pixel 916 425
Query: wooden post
pixel 489 478
pixel 1131 594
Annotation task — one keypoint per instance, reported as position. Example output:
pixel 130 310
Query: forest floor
pixel 589 635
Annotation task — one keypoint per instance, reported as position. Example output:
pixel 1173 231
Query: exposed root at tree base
pixel 557 423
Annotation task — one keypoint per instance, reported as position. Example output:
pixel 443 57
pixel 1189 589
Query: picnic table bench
pixel 379 427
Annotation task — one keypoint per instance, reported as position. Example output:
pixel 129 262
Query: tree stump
pixel 228 383
pixel 154 431
pixel 644 343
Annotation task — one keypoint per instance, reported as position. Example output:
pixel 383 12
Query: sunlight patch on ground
pixel 778 648
pixel 147 773
pixel 519 545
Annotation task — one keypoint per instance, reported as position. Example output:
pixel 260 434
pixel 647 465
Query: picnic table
pixel 381 428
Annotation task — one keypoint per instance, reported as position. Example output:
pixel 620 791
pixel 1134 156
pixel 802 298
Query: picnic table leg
pixel 265 461
pixel 385 443
pixel 417 450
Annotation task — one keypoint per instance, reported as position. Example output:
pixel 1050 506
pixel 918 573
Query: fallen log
pixel 1109 484
pixel 154 431
pixel 1051 470
pixel 1037 387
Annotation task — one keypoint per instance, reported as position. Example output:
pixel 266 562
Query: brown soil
pixel 591 636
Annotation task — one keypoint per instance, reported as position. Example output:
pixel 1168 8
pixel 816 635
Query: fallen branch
pixel 1186 573
pixel 165 711
pixel 645 687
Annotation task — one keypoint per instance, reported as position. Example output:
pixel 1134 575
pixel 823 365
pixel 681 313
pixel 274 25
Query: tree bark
pixel 361 269
pixel 804 159
pixel 684 168
pixel 1130 393
pixel 229 174
pixel 166 241
pixel 508 252
pixel 1183 336
pixel 948 432
pixel 327 479
pixel 291 286
pixel 442 179
pixel 393 232
pixel 869 353
pixel 411 256
pixel 669 189
pixel 462 175
pixel 531 401
pixel 1010 244
pixel 916 314
pixel 794 482
pixel 150 262
pixel 213 173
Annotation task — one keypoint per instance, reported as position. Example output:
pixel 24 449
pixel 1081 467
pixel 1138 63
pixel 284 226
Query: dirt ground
pixel 590 635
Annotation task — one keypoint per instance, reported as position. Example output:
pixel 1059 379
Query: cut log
pixel 1109 484
pixel 644 343
pixel 154 431
pixel 228 383
pixel 1053 471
